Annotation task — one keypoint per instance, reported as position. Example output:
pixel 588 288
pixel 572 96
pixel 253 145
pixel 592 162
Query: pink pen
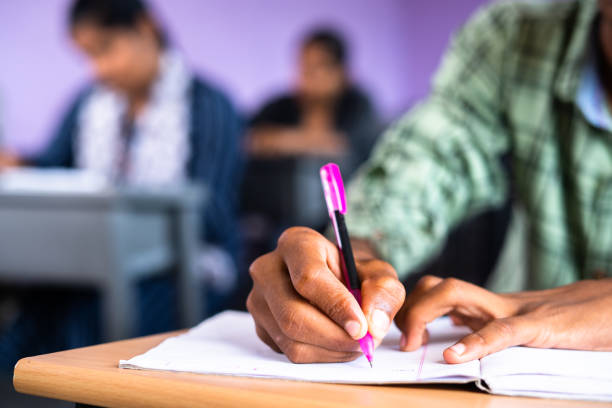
pixel 333 188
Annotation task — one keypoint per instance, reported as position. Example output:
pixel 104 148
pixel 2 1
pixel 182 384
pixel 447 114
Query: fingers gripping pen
pixel 333 189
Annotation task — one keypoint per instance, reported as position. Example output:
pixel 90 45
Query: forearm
pixel 295 141
pixel 264 140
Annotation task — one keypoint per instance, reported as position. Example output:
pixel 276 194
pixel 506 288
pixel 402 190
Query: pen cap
pixel 333 188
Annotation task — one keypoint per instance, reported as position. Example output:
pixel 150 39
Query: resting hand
pixel 575 316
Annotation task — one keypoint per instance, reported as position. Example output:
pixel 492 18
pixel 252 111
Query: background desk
pixel 104 240
pixel 90 376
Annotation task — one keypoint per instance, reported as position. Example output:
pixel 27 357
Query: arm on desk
pixel 574 316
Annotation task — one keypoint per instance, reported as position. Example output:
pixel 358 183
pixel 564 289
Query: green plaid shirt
pixel 507 87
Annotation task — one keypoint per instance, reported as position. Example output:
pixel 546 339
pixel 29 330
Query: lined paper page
pixel 227 345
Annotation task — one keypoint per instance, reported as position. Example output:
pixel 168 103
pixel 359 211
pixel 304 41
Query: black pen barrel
pixel 347 252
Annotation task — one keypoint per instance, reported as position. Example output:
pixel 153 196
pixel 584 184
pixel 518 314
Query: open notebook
pixel 227 344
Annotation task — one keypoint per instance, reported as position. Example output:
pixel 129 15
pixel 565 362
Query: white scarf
pixel 159 150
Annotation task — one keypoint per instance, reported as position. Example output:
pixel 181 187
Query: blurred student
pixel 530 80
pixel 325 115
pixel 148 119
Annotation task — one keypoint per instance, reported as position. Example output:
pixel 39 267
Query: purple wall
pixel 245 46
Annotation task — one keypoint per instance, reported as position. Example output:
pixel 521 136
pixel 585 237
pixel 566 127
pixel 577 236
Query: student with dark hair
pixel 325 115
pixel 148 120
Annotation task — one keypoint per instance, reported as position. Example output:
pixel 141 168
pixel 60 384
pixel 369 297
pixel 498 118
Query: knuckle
pixel 291 234
pixel 337 307
pixel 452 282
pixel 393 286
pixel 254 268
pixel 390 286
pixel 451 285
pixel 266 339
pixel 295 352
pixel 258 266
pixel 382 267
pixel 281 341
pixel 303 279
pixel 427 282
pixel 249 304
pixel 290 323
pixel 263 264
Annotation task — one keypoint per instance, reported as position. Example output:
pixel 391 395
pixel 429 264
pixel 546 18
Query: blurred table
pixel 90 375
pixel 105 240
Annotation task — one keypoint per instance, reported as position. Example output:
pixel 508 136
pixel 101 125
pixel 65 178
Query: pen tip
pixel 370 361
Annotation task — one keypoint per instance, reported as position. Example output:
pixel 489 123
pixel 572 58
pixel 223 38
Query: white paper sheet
pixel 227 344
pixel 549 373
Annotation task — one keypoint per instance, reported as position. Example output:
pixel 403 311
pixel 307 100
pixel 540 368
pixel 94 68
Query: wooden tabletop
pixel 90 376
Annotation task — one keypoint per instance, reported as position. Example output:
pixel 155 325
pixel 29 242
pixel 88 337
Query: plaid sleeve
pixel 440 162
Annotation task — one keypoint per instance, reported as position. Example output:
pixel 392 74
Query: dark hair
pixel 331 41
pixel 113 14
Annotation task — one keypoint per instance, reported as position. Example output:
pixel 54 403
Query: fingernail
pixel 380 323
pixel 403 341
pixel 353 328
pixel 458 348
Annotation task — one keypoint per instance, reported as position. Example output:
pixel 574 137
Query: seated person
pixel 326 115
pixel 148 119
pixel 529 80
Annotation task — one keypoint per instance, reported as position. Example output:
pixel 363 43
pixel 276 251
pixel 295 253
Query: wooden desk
pixel 90 376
